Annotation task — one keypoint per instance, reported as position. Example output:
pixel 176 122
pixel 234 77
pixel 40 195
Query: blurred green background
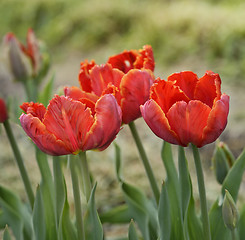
pixel 194 35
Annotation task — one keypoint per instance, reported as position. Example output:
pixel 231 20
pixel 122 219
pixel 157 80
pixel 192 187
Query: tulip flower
pixel 131 89
pixel 24 61
pixel 68 126
pixel 185 109
pixel 3 111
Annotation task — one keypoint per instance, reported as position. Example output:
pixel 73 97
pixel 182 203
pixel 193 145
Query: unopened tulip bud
pixel 222 161
pixel 229 212
pixel 3 111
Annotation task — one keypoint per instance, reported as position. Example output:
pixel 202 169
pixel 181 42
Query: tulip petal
pixel 123 61
pixel 76 94
pixel 217 120
pixel 84 75
pixel 68 120
pixel 106 125
pixel 208 88
pixel 165 93
pixel 135 91
pixel 186 80
pixel 188 120
pixel 35 109
pixel 157 121
pixel 103 75
pixel 46 141
pixel 145 59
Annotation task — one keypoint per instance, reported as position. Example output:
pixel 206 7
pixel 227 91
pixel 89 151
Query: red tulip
pixel 134 59
pixel 185 109
pixel 131 89
pixel 3 111
pixel 68 126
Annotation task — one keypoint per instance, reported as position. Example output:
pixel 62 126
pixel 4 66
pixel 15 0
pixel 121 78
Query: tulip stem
pixel 202 193
pixel 145 161
pixel 20 163
pixel 85 175
pixel 77 199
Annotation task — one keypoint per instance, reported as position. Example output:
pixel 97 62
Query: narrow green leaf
pixel 66 227
pixel 143 211
pixel 16 214
pixel 93 227
pixel 119 214
pixel 118 162
pixel 241 223
pixel 6 234
pixel 164 214
pixel 232 183
pixel 38 218
pixel 132 234
pixel 46 94
pixel 173 189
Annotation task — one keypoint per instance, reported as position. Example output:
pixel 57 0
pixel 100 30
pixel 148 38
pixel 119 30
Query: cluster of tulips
pixel 181 110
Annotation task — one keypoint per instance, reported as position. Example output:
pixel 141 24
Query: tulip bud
pixel 229 212
pixel 3 111
pixel 19 63
pixel 222 161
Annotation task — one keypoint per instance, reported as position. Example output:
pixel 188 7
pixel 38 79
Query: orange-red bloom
pixel 3 111
pixel 185 109
pixel 68 126
pixel 127 76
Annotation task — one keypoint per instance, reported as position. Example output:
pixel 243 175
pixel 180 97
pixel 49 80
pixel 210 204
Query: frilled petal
pixel 217 120
pixel 157 121
pixel 35 109
pixel 45 140
pixel 188 121
pixel 165 93
pixel 106 125
pixel 186 80
pixel 208 88
pixel 135 91
pixel 84 75
pixel 69 120
pixel 103 75
pixel 145 59
pixel 76 93
pixel 123 61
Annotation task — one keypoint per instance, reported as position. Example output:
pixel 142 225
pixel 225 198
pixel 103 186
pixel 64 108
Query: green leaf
pixel 119 214
pixel 46 94
pixel 142 210
pixel 164 214
pixel 6 234
pixel 173 189
pixel 132 234
pixel 232 183
pixel 38 218
pixel 241 223
pixel 93 227
pixel 66 227
pixel 16 214
pixel 118 162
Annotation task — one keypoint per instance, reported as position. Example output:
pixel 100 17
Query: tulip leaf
pixel 173 189
pixel 132 234
pixel 232 183
pixel 46 94
pixel 119 214
pixel 143 211
pixel 118 162
pixel 66 227
pixel 241 224
pixel 38 217
pixel 48 195
pixel 16 214
pixel 6 234
pixel 164 214
pixel 93 227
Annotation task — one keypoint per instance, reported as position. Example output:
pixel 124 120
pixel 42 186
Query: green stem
pixel 20 163
pixel 85 175
pixel 233 234
pixel 202 193
pixel 145 161
pixel 77 199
